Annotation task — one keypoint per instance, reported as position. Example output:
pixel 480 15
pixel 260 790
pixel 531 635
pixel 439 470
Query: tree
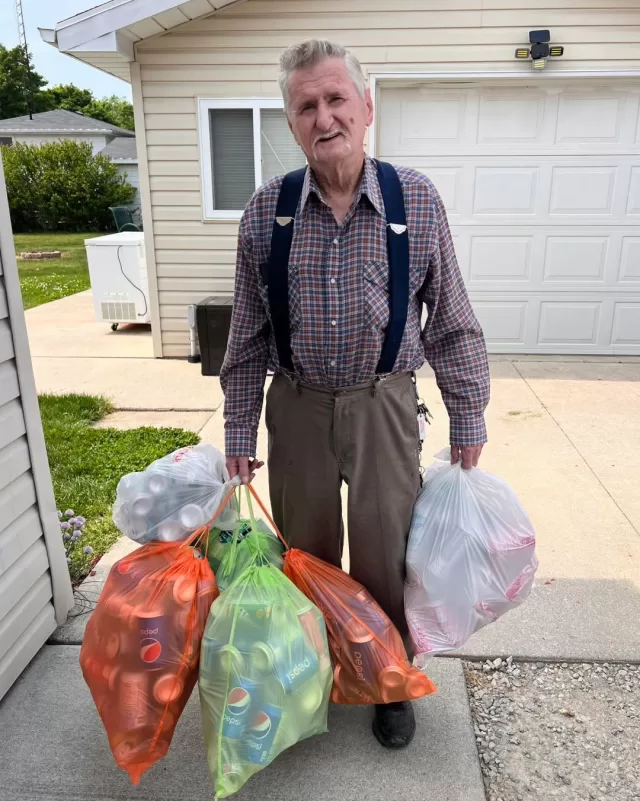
pixel 114 109
pixel 18 84
pixel 68 97
pixel 62 186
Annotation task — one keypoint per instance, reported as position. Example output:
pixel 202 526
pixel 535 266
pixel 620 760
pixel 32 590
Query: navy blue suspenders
pixel 398 254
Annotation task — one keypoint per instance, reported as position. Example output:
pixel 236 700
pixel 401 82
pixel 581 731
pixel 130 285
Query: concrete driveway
pixel 564 432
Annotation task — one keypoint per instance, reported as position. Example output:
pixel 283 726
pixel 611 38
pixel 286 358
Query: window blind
pixel 232 157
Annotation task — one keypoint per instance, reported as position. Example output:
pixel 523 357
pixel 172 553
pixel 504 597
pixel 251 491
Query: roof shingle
pixel 61 121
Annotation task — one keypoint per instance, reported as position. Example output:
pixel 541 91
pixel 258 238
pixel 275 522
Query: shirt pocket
pixel 376 294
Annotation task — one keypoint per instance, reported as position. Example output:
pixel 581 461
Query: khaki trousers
pixel 366 436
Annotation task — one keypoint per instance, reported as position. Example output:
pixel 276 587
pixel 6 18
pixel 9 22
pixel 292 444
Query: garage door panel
pixel 569 322
pixel 626 324
pixel 505 190
pixel 630 259
pixel 502 321
pixel 437 117
pixel 633 203
pixel 448 182
pixel 587 117
pixel 509 117
pixel 582 190
pixel 498 258
pixel 576 258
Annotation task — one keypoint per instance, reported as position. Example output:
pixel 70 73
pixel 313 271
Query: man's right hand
pixel 243 466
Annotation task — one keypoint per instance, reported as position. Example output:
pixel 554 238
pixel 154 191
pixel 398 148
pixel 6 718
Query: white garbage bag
pixel 470 556
pixel 175 496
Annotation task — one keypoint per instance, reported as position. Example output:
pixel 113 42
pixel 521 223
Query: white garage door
pixel 542 188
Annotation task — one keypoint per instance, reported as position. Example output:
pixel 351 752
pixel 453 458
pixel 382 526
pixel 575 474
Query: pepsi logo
pixel 150 650
pixel 261 726
pixel 238 701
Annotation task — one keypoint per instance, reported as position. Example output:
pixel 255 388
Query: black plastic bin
pixel 213 320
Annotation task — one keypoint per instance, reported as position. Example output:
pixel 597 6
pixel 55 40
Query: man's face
pixel 327 116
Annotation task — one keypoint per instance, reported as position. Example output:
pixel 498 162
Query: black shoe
pixel 394 724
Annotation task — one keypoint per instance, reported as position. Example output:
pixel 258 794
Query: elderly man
pixel 334 265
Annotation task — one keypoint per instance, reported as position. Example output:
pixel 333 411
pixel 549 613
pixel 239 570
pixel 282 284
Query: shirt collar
pixel 369 186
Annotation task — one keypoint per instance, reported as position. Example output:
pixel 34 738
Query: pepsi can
pixel 153 645
pixel 293 663
pixel 231 660
pixel 237 708
pixel 261 734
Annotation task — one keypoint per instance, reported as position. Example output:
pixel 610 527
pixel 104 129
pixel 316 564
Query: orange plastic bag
pixel 370 661
pixel 141 648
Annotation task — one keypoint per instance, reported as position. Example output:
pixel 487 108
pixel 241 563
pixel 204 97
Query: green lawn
pixel 87 463
pixel 42 281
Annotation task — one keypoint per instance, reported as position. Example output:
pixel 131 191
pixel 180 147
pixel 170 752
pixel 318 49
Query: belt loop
pixel 296 384
pixel 374 387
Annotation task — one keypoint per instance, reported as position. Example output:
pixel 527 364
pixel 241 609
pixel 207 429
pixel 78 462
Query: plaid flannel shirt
pixel 339 305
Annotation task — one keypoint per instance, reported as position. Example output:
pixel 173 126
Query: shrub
pixel 62 186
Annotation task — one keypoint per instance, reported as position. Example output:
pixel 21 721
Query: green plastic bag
pixel 252 542
pixel 265 674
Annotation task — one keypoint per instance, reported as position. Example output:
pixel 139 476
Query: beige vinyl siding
pixel 234 53
pixel 35 591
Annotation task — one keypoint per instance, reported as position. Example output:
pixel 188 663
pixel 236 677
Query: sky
pixel 54 66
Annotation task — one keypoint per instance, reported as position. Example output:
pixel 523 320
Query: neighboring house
pixel 539 170
pixel 51 126
pixel 35 590
pixel 122 151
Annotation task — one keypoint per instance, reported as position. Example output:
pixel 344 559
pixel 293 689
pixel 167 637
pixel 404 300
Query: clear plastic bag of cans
pixel 141 648
pixel 470 557
pixel 265 675
pixel 175 496
pixel 370 661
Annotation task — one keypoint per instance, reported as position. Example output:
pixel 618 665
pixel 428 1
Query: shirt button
pixel 334 322
pixel 332 362
pixel 333 280
pixel 336 241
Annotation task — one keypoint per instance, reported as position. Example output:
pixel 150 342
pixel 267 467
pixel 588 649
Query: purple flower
pixel 78 524
pixel 66 537
pixel 71 521
pixel 87 549
pixel 59 514
pixel 81 520
pixel 64 525
pixel 69 513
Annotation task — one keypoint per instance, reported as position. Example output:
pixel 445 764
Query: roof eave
pixel 104 36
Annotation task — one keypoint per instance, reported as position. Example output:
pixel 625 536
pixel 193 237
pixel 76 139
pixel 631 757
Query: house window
pixel 6 140
pixel 243 143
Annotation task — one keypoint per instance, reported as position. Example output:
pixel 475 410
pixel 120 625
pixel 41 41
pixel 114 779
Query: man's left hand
pixel 469 454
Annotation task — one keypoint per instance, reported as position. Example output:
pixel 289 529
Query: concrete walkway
pixel 54 748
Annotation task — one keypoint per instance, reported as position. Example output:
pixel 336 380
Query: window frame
pixel 205 105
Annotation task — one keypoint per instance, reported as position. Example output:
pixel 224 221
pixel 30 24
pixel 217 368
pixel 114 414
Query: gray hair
pixel 312 52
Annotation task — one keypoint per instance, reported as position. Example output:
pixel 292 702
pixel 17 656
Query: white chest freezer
pixel 119 282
